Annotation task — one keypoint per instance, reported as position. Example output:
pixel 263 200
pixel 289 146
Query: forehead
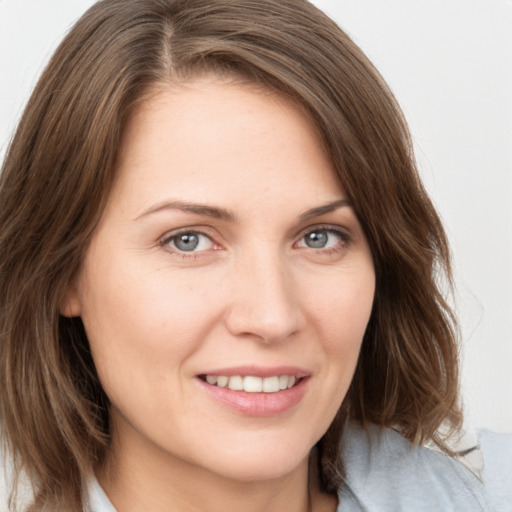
pixel 196 138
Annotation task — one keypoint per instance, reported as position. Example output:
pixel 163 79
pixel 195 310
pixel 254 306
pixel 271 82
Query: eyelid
pixel 165 240
pixel 341 232
pixel 333 228
pixel 336 250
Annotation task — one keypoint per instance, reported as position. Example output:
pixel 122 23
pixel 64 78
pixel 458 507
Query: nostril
pixel 265 327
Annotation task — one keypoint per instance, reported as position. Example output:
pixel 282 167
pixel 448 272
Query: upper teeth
pixel 252 384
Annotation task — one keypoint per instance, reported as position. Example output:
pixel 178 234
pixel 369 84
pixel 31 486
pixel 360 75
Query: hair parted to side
pixel 59 171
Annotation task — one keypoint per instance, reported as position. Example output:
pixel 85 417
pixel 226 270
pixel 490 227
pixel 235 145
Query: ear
pixel 71 306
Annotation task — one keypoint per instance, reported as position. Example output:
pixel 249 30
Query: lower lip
pixel 258 404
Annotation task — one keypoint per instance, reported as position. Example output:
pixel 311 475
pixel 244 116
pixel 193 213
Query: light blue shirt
pixel 386 473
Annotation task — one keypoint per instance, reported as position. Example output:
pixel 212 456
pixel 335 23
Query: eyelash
pixel 345 241
pixel 345 238
pixel 184 254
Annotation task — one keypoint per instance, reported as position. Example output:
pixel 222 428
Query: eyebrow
pixel 327 208
pixel 227 215
pixel 199 209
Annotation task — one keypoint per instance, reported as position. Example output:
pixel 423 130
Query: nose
pixel 264 303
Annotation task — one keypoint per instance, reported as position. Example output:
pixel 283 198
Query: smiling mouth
pixel 252 383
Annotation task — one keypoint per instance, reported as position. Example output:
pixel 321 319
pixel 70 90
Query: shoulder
pixel 497 468
pixel 385 472
pixel 24 495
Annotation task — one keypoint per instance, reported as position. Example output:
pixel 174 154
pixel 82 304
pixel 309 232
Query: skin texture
pixel 252 294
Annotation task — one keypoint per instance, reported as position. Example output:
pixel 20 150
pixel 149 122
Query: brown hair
pixel 59 170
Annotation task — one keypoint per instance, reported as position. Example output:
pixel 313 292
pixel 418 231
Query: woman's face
pixel 227 289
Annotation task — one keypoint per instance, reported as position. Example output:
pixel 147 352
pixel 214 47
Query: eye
pixel 323 238
pixel 189 241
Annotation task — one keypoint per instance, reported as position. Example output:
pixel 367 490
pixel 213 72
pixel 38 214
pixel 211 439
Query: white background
pixel 449 62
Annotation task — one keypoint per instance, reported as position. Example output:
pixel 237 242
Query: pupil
pixel 316 239
pixel 187 242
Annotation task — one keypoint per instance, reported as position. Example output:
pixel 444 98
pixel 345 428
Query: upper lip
pixel 259 371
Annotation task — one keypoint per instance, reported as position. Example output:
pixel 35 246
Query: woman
pixel 220 274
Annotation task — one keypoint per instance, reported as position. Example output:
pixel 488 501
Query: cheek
pixel 342 306
pixel 341 314
pixel 142 326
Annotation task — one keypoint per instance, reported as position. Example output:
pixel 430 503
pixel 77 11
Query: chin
pixel 261 460
pixel 264 470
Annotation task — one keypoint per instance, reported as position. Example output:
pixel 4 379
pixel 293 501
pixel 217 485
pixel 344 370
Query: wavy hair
pixel 59 170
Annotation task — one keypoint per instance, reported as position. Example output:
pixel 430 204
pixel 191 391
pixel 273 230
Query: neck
pixel 188 489
pixel 138 475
